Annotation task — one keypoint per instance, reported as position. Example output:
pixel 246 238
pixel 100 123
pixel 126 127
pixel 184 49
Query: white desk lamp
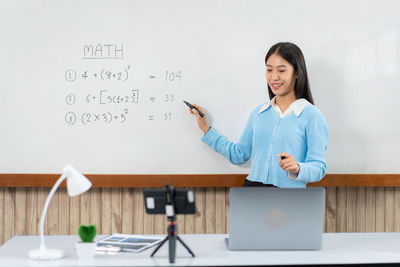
pixel 76 185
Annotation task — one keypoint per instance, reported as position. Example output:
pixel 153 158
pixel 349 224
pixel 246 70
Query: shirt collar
pixel 297 106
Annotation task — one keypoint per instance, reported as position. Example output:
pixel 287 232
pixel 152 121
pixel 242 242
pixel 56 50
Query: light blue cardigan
pixel 305 137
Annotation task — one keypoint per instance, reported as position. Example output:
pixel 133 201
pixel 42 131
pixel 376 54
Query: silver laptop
pixel 262 218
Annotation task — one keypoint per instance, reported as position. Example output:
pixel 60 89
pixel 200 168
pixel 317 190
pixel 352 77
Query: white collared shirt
pixel 296 107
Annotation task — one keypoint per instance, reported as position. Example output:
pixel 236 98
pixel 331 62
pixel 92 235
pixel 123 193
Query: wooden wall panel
pixel 127 210
pixel 52 214
pixel 2 215
pixel 9 216
pixel 360 209
pixel 210 211
pixel 397 209
pixel 341 211
pixel 74 214
pixel 20 212
pixel 116 210
pixel 227 204
pixel 138 211
pixel 63 212
pixel 160 225
pixel 370 209
pixel 389 210
pixel 180 222
pixel 351 208
pixel 32 214
pixel 220 211
pixel 199 218
pixel 41 199
pixel 95 210
pixel 330 210
pixel 106 211
pixel 356 209
pixel 84 212
pixel 380 209
pixel 189 224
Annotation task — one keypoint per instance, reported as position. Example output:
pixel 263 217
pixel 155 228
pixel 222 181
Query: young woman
pixel 286 137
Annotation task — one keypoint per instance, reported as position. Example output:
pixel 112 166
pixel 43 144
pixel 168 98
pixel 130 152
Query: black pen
pixel 191 106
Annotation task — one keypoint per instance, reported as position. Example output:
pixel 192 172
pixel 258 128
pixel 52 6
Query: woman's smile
pixel 276 86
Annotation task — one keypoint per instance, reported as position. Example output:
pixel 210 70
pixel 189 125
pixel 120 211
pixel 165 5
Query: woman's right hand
pixel 201 121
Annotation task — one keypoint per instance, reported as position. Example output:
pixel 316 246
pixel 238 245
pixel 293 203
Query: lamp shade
pixel 76 183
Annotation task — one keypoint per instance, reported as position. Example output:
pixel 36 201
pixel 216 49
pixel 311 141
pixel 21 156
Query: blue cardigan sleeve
pixel 314 166
pixel 236 153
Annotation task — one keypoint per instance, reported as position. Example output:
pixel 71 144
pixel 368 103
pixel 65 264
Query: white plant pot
pixel 86 250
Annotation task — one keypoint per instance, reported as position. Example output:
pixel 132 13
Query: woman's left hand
pixel 288 164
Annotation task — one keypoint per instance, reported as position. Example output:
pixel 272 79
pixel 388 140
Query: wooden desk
pixel 210 250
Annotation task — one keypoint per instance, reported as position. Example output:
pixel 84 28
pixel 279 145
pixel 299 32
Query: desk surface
pixel 210 250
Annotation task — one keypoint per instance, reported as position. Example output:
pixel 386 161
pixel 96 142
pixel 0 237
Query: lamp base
pixel 46 254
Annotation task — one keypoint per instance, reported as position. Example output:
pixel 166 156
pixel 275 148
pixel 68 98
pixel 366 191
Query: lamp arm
pixel 46 206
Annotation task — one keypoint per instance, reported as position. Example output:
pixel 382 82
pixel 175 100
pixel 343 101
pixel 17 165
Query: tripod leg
pixel 172 248
pixel 159 246
pixel 183 244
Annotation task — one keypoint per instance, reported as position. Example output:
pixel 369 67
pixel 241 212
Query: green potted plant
pixel 86 248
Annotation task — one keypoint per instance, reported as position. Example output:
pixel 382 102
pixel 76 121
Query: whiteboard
pixel 99 84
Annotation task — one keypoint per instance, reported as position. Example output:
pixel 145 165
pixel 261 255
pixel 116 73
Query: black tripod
pixel 172 234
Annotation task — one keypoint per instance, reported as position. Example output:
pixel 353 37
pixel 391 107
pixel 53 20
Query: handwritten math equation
pixel 106 94
pixel 104 97
pixel 103 74
pixel 92 117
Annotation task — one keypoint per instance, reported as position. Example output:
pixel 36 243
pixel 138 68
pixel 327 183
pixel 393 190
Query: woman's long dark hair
pixel 292 54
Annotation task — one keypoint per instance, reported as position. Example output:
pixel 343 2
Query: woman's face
pixel 280 75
